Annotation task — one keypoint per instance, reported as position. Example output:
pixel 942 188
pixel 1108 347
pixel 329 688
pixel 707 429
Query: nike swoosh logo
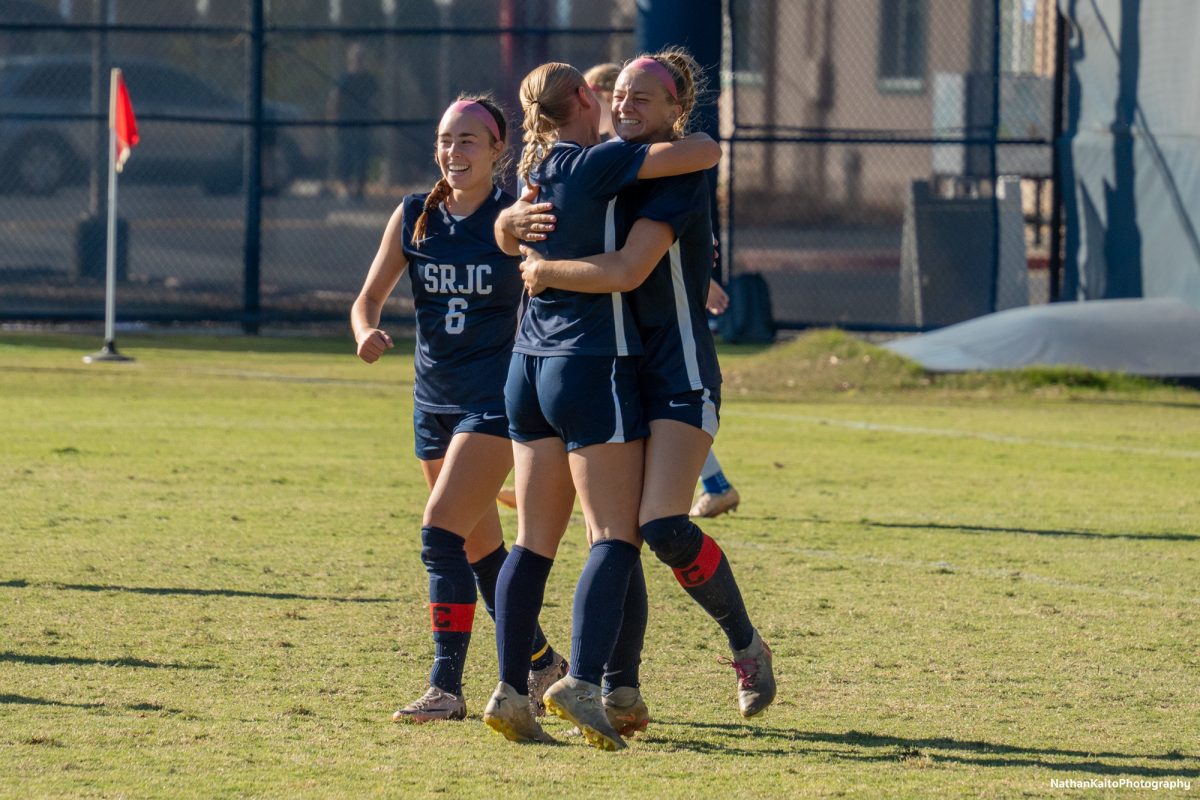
pixel 673 404
pixel 493 416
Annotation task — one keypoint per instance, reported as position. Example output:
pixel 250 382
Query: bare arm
pixel 523 221
pixel 690 154
pixel 718 300
pixel 386 269
pixel 619 271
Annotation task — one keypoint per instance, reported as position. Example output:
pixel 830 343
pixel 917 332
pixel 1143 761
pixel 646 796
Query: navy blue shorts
pixel 583 400
pixel 700 409
pixel 433 432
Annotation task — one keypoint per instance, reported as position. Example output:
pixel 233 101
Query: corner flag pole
pixel 122 135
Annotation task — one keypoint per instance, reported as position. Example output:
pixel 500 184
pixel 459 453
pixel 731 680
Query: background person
pixel 601 79
pixel 352 100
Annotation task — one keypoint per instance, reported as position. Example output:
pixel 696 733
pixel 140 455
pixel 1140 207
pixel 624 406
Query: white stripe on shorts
pixel 683 316
pixel 618 302
pixel 619 426
pixel 708 418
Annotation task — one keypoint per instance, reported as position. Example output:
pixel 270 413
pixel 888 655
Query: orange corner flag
pixel 121 119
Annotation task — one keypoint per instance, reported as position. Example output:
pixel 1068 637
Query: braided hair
pixel 546 95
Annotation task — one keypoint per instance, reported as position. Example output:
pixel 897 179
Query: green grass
pixel 974 585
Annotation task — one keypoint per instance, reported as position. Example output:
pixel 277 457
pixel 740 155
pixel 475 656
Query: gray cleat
pixel 626 710
pixel 542 679
pixel 755 676
pixel 432 706
pixel 579 702
pixel 508 713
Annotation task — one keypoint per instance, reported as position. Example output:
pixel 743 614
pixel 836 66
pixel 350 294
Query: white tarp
pixel 1157 337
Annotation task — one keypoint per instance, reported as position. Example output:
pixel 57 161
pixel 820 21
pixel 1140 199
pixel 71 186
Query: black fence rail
pixel 276 139
pixel 891 163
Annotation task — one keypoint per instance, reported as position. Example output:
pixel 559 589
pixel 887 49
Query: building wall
pixel 821 73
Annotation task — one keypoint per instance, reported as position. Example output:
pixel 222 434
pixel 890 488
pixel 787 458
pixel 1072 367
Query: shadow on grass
pixel 22 700
pixel 331 341
pixel 865 747
pixel 175 590
pixel 26 658
pixel 943 526
pixel 1164 537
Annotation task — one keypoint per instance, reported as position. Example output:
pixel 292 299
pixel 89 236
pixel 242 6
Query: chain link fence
pixel 890 162
pixel 351 94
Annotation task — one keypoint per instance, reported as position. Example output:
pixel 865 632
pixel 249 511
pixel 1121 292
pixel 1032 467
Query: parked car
pixel 40 153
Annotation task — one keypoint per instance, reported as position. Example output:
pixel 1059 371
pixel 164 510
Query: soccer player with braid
pixel 574 413
pixel 466 294
pixel 664 265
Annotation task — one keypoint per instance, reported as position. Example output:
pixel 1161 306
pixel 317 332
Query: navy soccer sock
pixel 487 571
pixel 599 596
pixel 520 588
pixel 451 605
pixel 626 659
pixel 704 573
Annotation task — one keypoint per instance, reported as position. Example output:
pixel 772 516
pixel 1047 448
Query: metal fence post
pixel 993 167
pixel 252 173
pixel 1056 171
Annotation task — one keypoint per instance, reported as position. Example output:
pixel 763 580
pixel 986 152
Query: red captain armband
pixel 451 617
pixel 703 568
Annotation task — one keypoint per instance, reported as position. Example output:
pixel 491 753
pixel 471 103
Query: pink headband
pixel 652 65
pixel 477 111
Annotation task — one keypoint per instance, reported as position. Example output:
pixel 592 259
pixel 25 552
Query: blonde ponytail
pixel 546 95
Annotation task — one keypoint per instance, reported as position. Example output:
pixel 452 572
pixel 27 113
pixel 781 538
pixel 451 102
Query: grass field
pixel 974 586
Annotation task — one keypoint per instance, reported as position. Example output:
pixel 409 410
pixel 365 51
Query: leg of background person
pixel 712 477
pixel 675 453
pixel 717 495
pixel 545 498
pixel 487 573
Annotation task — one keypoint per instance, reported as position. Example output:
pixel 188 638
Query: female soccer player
pixel 466 293
pixel 600 79
pixel 573 410
pixel 665 264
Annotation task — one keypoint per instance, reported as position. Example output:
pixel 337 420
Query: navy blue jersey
pixel 669 305
pixel 466 292
pixel 582 183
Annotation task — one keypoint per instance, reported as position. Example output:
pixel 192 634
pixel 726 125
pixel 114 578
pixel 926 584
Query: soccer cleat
pixel 626 710
pixel 579 702
pixel 507 497
pixel 714 505
pixel 542 679
pixel 755 676
pixel 432 706
pixel 509 715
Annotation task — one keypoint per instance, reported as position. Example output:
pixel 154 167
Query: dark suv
pixel 39 153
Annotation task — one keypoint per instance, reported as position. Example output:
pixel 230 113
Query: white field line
pixel 1008 575
pixel 250 375
pixel 998 438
